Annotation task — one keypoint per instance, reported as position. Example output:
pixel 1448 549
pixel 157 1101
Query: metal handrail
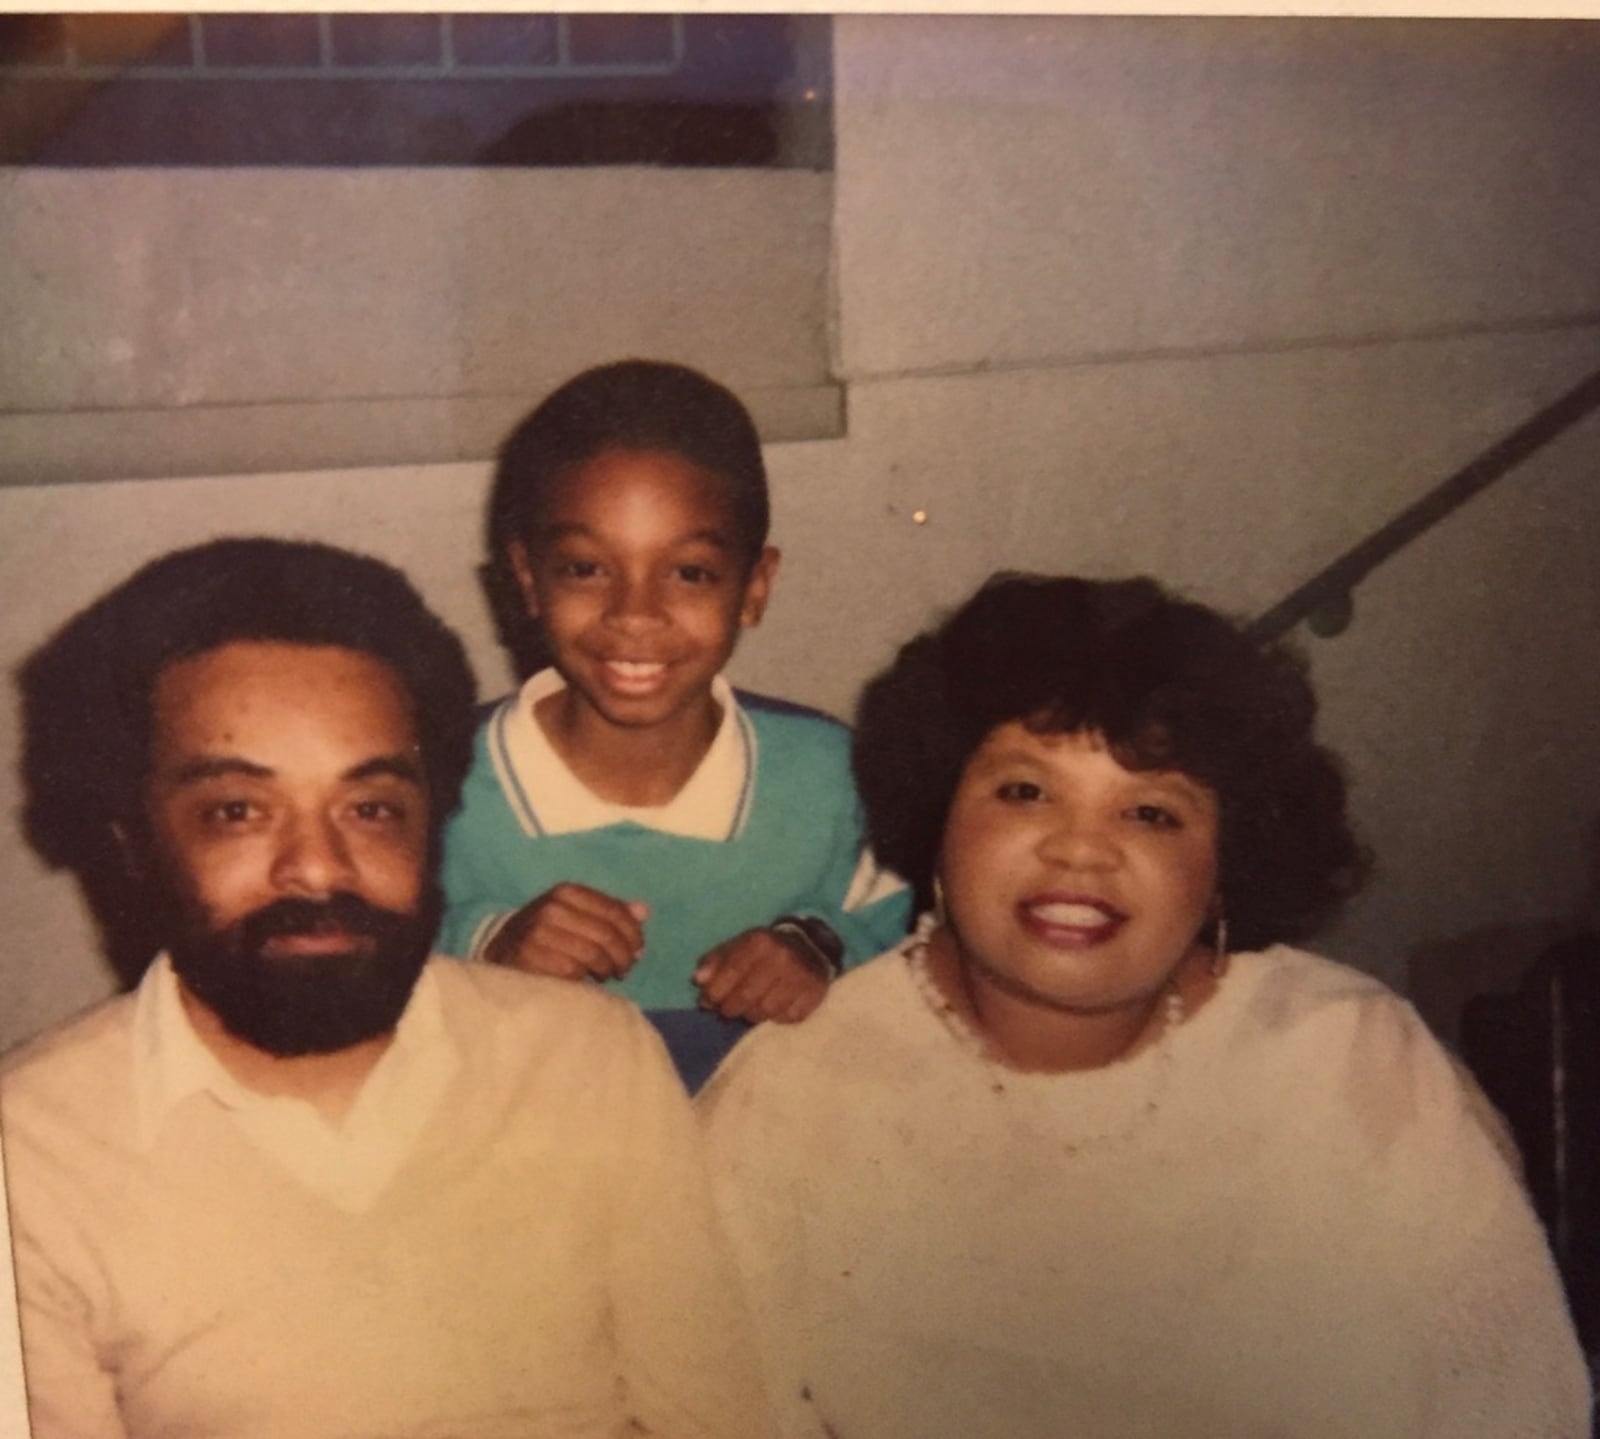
pixel 1328 593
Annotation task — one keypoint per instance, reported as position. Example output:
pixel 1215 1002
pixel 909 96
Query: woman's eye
pixel 1019 791
pixel 1156 815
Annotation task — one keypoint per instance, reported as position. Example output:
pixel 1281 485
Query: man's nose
pixel 313 857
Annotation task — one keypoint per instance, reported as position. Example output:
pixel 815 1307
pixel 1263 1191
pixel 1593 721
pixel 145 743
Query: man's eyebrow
pixel 223 766
pixel 397 766
pixel 218 766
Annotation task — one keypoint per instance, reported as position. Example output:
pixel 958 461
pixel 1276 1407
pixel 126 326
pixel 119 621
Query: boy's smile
pixel 637 573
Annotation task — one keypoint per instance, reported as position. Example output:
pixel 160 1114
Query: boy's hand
pixel 756 975
pixel 572 932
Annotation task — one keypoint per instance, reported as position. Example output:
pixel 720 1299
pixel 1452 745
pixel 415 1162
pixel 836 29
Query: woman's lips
pixel 1070 920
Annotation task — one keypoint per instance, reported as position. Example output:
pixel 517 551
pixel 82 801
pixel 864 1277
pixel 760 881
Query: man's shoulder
pixel 84 1063
pixel 492 1003
pixel 531 1039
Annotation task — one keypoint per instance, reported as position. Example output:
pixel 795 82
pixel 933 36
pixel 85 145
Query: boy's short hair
pixel 628 405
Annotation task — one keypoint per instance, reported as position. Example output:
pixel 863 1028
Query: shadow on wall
pixel 1444 976
pixel 1494 961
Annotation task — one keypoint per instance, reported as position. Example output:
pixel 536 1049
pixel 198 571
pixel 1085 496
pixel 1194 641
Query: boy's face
pixel 638 574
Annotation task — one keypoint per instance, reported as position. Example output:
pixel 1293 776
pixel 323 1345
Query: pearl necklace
pixel 1005 1081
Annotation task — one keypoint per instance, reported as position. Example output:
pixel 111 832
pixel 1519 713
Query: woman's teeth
pixel 1076 915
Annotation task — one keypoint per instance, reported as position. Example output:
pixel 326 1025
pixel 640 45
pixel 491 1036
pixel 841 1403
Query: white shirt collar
pixel 349 1163
pixel 548 799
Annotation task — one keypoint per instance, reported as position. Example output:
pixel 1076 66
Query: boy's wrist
pixel 814 940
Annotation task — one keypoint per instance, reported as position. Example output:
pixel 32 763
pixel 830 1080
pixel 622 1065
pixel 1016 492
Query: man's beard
pixel 295 1004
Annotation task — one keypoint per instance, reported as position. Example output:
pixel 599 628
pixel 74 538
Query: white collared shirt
pixel 712 804
pixel 348 1163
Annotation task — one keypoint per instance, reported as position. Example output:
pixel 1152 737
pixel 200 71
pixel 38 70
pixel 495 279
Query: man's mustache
pixel 341 911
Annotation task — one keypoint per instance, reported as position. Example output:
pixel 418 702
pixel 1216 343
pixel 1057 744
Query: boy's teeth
pixel 636 669
pixel 1074 914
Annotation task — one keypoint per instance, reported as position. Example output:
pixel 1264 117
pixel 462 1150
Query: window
pixel 245 243
pixel 456 89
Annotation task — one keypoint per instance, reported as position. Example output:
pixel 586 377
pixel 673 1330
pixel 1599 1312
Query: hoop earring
pixel 1219 944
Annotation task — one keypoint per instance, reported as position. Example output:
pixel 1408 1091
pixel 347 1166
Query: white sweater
pixel 542 1262
pixel 1282 1220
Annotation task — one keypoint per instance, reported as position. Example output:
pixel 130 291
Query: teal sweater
pixel 794 847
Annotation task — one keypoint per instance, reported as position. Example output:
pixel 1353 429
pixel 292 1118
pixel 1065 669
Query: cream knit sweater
pixel 1284 1220
pixel 542 1264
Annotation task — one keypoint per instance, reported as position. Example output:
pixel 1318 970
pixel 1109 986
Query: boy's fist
pixel 757 975
pixel 572 932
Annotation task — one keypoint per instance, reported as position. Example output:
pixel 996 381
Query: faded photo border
pixel 13 1413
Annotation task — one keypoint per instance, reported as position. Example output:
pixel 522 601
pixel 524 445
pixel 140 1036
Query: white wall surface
pixel 244 320
pixel 1201 299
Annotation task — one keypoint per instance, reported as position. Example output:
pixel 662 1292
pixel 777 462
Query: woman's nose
pixel 313 858
pixel 1080 841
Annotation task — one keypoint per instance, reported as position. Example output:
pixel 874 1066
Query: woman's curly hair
pixel 1169 684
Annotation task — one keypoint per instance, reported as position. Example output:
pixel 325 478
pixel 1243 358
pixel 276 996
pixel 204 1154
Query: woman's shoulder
pixel 1285 990
pixel 1331 1040
pixel 864 1033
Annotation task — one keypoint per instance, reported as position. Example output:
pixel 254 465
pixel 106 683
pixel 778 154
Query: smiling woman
pixel 1074 890
pixel 1062 1162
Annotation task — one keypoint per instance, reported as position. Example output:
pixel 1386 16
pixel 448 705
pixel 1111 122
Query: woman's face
pixel 1071 881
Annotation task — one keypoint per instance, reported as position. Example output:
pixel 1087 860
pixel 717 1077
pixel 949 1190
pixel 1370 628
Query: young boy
pixel 629 818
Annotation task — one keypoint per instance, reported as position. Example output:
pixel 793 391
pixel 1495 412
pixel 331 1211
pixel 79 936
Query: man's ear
pixel 758 587
pixel 522 568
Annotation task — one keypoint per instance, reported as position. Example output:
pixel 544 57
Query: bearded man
pixel 305 1180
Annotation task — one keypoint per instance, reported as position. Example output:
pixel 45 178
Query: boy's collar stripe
pixel 510 784
pixel 747 786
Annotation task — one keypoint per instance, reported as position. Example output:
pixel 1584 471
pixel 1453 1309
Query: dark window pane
pixel 264 40
pixel 505 39
pixel 33 39
pixel 619 39
pixel 128 39
pixel 386 39
pixel 728 90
